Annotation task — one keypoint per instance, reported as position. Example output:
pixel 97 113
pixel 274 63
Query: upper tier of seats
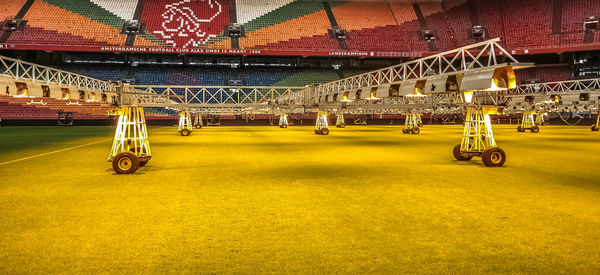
pixel 179 75
pixel 545 73
pixel 301 25
pixel 206 76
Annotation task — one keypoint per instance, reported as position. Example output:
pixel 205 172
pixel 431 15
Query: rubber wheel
pixel 595 129
pixel 325 131
pixel 420 124
pixel 460 156
pixel 318 132
pixel 415 130
pixel 185 132
pixel 283 126
pixel 405 131
pixel 493 157
pixel 520 129
pixel 535 129
pixel 125 163
pixel 198 126
pixel 342 125
pixel 142 162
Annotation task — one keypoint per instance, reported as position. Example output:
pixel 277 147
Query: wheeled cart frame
pixel 131 148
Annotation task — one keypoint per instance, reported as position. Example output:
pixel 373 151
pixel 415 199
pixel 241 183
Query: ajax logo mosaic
pixel 190 22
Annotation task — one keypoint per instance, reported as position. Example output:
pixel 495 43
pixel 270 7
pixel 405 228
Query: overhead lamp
pixel 468 96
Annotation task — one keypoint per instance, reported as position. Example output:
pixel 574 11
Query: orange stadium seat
pixel 303 25
pixel 9 9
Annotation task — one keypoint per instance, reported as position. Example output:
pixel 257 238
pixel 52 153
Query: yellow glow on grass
pixel 263 199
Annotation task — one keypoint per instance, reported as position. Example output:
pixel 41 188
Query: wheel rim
pixel 125 163
pixel 496 157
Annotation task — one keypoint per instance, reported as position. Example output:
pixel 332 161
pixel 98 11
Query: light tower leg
pixel 283 121
pixel 185 124
pixel 322 126
pixel 198 121
pixel 528 123
pixel 131 147
pixel 411 125
pixel 340 123
pixel 596 127
pixel 478 138
pixel 419 121
pixel 540 119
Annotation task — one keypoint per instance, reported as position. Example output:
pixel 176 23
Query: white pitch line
pixel 57 151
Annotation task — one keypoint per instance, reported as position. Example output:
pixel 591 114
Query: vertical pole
pixel 464 146
pixel 145 129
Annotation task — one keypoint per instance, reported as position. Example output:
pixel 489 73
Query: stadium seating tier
pixel 300 25
pixel 29 108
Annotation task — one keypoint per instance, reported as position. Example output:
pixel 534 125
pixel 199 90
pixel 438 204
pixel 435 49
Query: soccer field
pixel 265 199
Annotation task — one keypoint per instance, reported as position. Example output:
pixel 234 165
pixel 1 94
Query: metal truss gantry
pixel 209 96
pixel 481 55
pixel 565 96
pixel 559 87
pixel 579 96
pixel 26 71
pixel 375 86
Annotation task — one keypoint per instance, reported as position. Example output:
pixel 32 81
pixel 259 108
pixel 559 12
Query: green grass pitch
pixel 264 199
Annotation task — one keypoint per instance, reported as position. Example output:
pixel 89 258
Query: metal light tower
pixel 131 148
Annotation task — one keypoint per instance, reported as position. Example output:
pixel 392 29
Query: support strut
pixel 322 126
pixel 283 121
pixel 540 119
pixel 198 121
pixel 478 138
pixel 131 148
pixel 529 122
pixel 411 124
pixel 340 123
pixel 185 124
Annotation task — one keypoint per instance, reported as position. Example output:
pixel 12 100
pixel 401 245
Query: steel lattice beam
pixel 477 56
pixel 206 96
pixel 560 87
pixel 22 70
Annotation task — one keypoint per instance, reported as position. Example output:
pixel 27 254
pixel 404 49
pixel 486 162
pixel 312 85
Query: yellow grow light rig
pixel 478 138
pixel 131 148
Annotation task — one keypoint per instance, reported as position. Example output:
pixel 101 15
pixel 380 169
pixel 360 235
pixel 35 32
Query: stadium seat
pixel 299 25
